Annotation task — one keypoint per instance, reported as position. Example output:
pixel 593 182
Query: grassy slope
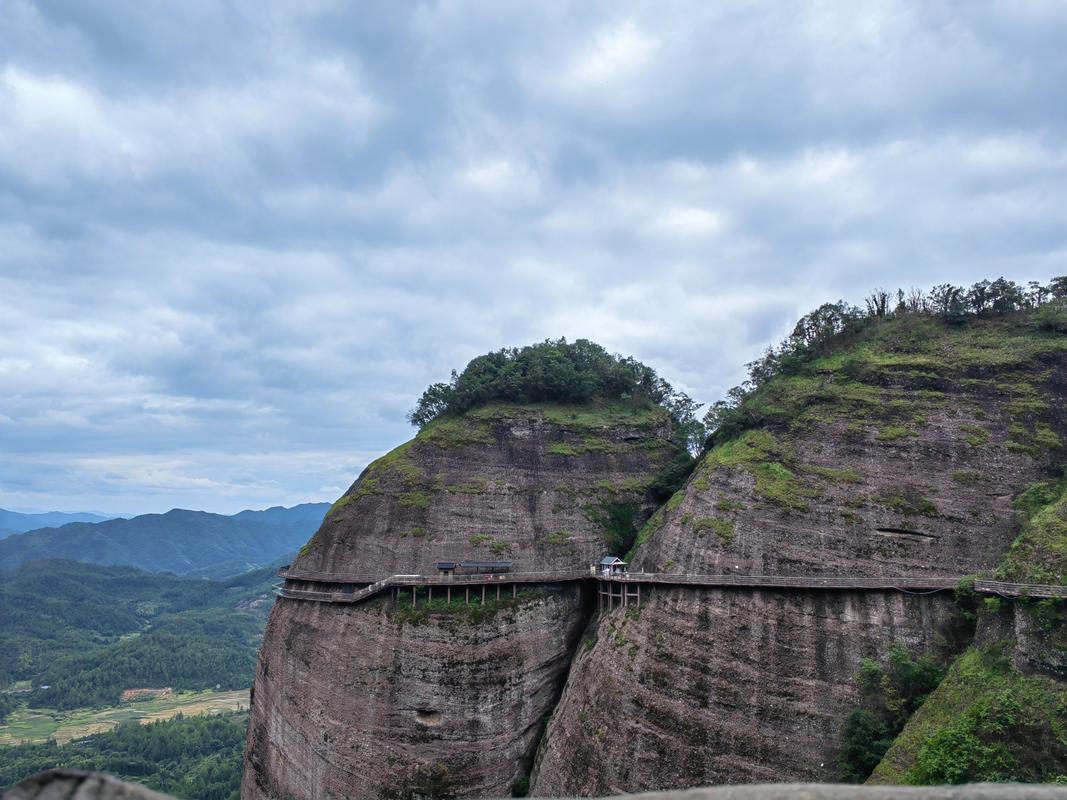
pixel 1039 555
pixel 985 722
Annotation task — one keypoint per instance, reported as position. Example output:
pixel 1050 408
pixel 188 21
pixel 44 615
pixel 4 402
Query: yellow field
pixel 41 724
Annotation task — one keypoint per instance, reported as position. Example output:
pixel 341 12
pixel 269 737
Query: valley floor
pixel 36 725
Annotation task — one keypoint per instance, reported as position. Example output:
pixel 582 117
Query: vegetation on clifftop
pixel 838 358
pixel 556 371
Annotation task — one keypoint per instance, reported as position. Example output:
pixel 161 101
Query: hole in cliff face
pixel 427 716
pixel 903 532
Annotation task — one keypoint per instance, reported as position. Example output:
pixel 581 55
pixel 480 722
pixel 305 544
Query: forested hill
pixel 88 632
pixel 14 522
pixel 179 541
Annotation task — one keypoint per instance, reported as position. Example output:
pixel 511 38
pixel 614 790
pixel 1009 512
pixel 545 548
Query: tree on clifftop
pixel 557 371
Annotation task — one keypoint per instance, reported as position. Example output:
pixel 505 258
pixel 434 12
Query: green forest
pixel 88 632
pixel 188 757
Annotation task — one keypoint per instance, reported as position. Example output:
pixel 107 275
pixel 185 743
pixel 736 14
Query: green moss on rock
pixel 722 528
pixel 1039 554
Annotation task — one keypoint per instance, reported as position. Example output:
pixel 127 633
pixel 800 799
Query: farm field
pixel 36 725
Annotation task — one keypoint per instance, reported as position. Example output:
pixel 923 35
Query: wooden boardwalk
pixel 340 593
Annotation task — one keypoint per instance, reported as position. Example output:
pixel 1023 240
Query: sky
pixel 238 239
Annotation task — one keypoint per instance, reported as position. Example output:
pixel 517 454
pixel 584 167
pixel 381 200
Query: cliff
pixel 909 447
pixel 548 487
pixel 386 699
pixel 721 686
pixel 1001 711
pixel 900 452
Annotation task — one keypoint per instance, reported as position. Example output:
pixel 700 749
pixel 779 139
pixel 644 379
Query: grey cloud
pixel 238 240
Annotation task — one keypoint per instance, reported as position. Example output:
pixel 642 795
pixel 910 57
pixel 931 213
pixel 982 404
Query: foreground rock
pixel 75 784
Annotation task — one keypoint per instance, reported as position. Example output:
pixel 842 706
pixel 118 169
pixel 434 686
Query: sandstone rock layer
pixel 533 485
pixel 383 700
pixel 704 686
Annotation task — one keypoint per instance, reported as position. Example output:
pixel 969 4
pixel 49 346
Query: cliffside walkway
pixel 346 590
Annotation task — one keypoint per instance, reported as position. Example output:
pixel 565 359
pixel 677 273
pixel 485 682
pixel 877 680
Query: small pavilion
pixel 611 565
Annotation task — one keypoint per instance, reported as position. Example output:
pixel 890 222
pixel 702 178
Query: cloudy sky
pixel 237 239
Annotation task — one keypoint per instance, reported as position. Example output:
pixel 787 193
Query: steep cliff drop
pixel 390 699
pixel 899 454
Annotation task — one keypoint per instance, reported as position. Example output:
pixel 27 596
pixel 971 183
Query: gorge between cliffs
pixel 907 455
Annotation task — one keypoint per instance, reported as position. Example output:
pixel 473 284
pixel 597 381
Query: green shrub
pixel 864 741
pixel 891 693
pixel 722 528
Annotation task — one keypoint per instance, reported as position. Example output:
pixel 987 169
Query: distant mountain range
pixel 179 541
pixel 14 522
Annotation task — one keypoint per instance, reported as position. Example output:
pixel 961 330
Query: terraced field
pixel 27 725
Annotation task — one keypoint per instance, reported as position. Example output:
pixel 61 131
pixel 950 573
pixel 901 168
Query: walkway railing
pixel 898 583
pixel 1020 589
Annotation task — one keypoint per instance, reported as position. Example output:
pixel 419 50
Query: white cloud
pixel 613 54
pixel 690 222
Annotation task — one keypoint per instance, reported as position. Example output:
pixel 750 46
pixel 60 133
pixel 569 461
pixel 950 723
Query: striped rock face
pixel 382 699
pixel 712 686
pixel 541 487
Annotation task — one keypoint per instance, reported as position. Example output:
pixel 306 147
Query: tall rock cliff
pixel 721 686
pixel 899 453
pixel 386 699
pixel 544 486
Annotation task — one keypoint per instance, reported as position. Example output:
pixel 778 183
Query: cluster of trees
pixel 7 705
pixel 190 651
pixel 194 757
pixel 827 325
pixel 891 694
pixel 556 371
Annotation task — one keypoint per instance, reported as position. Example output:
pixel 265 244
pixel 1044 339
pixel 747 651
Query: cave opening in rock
pixel 428 716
